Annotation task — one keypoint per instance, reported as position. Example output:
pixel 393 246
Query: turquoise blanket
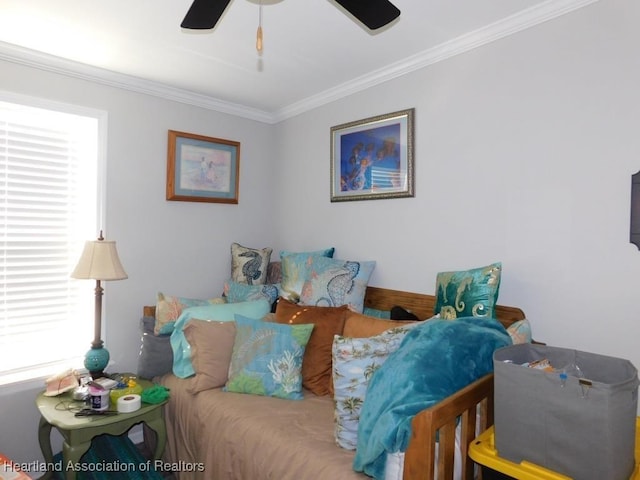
pixel 433 361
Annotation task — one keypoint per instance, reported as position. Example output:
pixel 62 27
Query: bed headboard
pixel 420 304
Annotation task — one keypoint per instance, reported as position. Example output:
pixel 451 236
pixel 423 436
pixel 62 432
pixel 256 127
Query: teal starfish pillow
pixel 267 358
pixel 468 293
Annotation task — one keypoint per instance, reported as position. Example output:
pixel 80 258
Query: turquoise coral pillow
pixel 354 362
pixel 295 269
pixel 333 283
pixel 468 293
pixel 267 358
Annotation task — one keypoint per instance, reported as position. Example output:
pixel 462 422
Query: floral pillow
pixel 332 283
pixel 267 358
pixel 169 308
pixel 354 362
pixel 249 265
pixel 295 269
pixel 468 293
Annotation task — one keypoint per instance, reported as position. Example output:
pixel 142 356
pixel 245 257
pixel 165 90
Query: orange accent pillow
pixel 327 321
pixel 357 325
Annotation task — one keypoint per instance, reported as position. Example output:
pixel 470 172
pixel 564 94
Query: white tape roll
pixel 129 403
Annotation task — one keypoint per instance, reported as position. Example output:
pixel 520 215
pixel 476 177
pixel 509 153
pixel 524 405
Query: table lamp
pixel 99 262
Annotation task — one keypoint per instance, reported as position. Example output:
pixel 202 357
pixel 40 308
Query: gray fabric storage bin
pixel 584 431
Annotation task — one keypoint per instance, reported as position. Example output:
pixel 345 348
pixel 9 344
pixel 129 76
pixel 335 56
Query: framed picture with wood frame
pixel 202 169
pixel 373 158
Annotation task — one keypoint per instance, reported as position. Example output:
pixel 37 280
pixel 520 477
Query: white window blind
pixel 48 208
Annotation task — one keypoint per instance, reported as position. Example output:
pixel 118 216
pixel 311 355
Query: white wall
pixel 524 153
pixel 180 248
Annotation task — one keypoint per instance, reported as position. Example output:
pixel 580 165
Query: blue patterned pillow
pixel 354 361
pixel 468 293
pixel 169 308
pixel 295 269
pixel 332 283
pixel 267 358
pixel 240 292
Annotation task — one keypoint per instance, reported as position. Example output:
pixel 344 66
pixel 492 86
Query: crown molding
pixel 42 61
pixel 508 26
pixel 530 17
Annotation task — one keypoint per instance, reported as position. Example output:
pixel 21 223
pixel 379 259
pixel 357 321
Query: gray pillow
pixel 156 356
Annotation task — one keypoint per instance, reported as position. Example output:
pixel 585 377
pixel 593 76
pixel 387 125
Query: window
pixel 49 196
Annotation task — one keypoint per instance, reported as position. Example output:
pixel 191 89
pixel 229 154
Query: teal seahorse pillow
pixel 468 293
pixel 295 268
pixel 333 283
pixel 267 358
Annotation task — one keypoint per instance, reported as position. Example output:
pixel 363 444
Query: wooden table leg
pixel 71 455
pixel 44 438
pixel 160 430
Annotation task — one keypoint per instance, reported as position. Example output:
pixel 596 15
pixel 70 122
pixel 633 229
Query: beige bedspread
pixel 249 437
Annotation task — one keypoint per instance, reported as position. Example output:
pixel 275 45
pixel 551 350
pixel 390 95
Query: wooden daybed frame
pixel 419 461
pixel 440 419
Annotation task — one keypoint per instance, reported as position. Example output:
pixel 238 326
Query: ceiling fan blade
pixel 372 13
pixel 204 14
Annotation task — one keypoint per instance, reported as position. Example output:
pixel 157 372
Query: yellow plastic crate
pixel 483 451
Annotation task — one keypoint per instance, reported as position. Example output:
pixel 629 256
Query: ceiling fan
pixel 204 14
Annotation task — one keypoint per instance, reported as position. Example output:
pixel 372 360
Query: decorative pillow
pixel 249 265
pixel 295 270
pixel 236 292
pixel 332 283
pixel 169 308
pixel 354 362
pixel 520 332
pixel 274 273
pixel 267 358
pixel 327 321
pixel 211 346
pixel 468 293
pixel 155 356
pixel 182 367
pixel 360 326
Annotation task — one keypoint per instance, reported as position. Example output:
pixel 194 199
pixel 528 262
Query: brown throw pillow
pixel 327 321
pixel 211 347
pixel 357 325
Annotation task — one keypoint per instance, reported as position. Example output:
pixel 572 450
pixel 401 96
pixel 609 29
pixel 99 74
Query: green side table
pixel 77 432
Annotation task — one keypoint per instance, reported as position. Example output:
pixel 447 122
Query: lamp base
pixel 96 360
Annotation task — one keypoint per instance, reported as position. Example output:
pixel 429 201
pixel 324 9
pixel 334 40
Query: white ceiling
pixel 314 51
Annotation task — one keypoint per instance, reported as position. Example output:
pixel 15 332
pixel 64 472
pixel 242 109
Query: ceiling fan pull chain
pixel 259 33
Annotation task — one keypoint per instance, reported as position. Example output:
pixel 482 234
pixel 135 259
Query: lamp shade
pixel 99 261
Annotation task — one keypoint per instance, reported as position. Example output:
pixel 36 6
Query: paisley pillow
pixel 332 283
pixel 468 293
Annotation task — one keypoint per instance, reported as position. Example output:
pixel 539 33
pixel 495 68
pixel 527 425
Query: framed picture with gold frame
pixel 373 158
pixel 202 169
